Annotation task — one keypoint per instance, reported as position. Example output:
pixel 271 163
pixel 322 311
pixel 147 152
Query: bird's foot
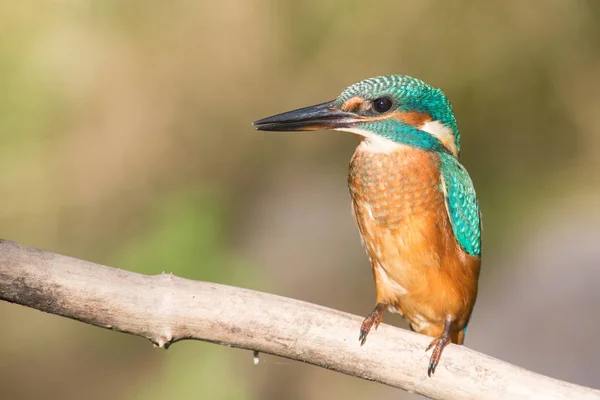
pixel 375 318
pixel 438 346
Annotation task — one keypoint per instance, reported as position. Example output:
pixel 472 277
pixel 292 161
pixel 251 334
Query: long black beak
pixel 319 117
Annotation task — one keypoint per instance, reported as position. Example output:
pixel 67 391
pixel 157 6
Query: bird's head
pixel 385 110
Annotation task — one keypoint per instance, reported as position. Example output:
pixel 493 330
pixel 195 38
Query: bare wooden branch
pixel 165 309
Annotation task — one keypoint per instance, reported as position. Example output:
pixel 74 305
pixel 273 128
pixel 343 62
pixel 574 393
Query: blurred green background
pixel 126 140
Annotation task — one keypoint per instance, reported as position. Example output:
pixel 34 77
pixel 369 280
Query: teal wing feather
pixel 462 204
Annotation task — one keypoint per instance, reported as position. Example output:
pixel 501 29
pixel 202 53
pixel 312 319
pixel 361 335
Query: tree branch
pixel 165 309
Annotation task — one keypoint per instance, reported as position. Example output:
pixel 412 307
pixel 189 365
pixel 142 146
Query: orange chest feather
pixel 396 187
pixel 399 206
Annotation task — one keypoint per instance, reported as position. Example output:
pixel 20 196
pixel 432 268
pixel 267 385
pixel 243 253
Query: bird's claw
pixel 362 338
pixel 438 346
pixel 375 318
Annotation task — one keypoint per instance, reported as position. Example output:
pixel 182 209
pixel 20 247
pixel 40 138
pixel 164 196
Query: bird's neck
pixel 388 136
pixel 443 133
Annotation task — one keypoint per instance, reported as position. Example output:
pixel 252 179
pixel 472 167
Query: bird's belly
pixel 419 268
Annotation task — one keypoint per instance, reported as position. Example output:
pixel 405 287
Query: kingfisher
pixel 413 201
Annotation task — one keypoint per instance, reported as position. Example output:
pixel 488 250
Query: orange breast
pixel 419 268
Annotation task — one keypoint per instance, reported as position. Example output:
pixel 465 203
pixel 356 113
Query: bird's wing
pixel 462 204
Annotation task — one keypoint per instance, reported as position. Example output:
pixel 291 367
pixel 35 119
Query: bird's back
pixel 420 268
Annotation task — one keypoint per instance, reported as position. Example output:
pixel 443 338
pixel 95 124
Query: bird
pixel 414 203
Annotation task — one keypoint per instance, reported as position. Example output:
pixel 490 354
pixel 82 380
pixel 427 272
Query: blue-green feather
pixel 405 134
pixel 463 207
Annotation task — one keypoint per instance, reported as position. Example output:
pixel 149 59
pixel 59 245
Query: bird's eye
pixel 382 104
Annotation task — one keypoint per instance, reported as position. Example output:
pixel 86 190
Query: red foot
pixel 375 318
pixel 438 346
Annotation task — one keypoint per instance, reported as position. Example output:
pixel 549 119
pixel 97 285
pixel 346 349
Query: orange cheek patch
pixel 352 104
pixel 411 118
pixel 414 118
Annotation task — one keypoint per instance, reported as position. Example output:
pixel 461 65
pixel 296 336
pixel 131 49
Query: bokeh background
pixel 125 139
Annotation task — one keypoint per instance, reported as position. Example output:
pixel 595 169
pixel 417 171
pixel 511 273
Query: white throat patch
pixel 443 133
pixel 373 143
